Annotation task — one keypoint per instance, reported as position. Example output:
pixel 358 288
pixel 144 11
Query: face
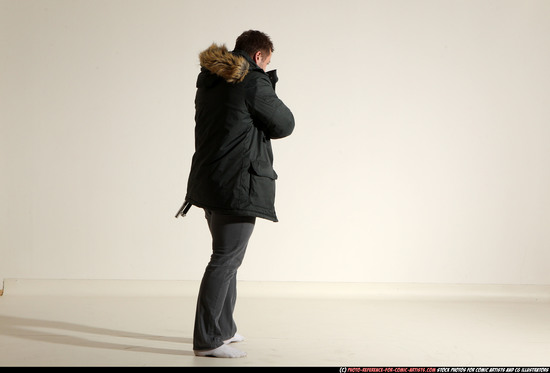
pixel 261 60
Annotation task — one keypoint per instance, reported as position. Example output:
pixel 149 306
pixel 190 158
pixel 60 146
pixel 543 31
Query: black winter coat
pixel 237 115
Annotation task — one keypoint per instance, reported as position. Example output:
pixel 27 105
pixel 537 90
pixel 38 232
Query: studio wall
pixel 420 153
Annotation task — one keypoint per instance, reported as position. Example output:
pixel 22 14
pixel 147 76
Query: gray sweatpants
pixel 218 291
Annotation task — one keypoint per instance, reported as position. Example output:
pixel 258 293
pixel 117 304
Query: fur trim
pixel 219 61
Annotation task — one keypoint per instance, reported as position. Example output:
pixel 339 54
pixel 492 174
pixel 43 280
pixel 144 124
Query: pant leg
pixel 217 294
pixel 227 325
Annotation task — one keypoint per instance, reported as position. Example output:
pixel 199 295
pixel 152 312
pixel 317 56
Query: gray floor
pixel 58 329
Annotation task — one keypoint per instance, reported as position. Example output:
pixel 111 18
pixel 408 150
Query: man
pixel 232 176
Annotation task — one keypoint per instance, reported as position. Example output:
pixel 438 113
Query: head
pixel 258 46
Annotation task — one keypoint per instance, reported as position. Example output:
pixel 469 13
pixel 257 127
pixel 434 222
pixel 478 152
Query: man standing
pixel 232 177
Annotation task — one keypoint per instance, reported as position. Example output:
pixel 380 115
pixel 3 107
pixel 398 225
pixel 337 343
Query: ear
pixel 257 56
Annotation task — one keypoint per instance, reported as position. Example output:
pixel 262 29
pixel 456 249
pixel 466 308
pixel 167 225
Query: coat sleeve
pixel 269 112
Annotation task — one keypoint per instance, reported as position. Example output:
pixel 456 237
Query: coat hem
pixel 235 212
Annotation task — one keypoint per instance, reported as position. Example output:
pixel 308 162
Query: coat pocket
pixel 262 184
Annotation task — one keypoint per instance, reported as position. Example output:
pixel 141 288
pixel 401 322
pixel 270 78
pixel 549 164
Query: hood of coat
pixel 218 60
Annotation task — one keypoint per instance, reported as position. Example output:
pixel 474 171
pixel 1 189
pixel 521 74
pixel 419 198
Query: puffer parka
pixel 237 114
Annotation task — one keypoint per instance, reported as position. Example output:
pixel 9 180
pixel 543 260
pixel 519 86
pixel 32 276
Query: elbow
pixel 283 129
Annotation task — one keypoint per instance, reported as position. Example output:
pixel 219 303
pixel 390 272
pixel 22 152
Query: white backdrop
pixel 421 151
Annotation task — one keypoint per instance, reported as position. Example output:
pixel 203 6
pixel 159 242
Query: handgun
pixel 183 209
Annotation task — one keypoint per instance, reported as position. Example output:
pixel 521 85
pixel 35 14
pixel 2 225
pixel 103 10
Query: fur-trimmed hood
pixel 218 60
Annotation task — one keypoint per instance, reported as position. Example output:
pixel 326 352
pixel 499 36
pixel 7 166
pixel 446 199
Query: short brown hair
pixel 252 41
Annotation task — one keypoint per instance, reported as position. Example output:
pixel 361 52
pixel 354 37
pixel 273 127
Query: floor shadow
pixel 34 329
